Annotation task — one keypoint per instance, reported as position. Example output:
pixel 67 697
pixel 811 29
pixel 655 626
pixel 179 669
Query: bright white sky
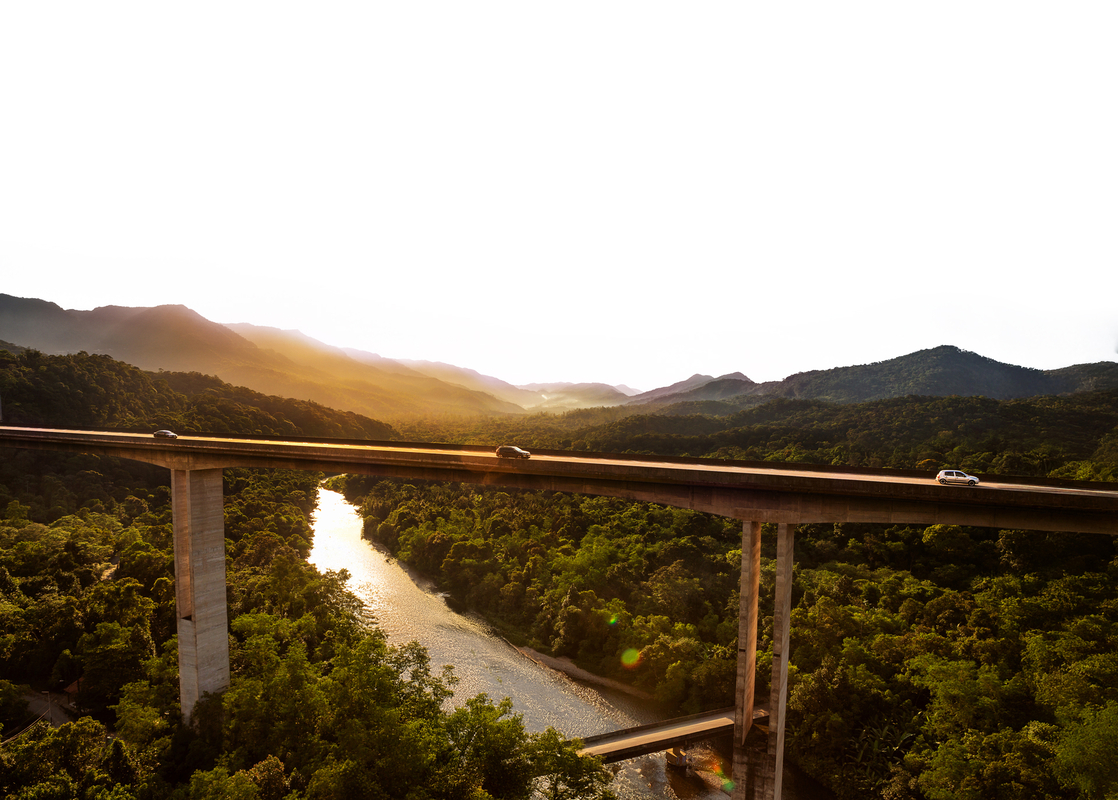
pixel 624 191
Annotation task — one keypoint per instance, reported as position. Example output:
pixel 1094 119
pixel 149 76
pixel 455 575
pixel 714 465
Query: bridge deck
pixel 645 739
pixel 793 494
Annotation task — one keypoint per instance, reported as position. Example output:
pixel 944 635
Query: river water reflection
pixel 407 608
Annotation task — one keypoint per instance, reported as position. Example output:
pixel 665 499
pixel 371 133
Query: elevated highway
pixel 755 493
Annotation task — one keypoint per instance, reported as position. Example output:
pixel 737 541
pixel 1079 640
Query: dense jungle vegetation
pixel 927 662
pixel 320 705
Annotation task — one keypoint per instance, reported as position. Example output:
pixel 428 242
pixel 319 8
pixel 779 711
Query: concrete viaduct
pixel 755 493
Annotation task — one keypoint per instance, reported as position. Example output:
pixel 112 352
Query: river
pixel 407 607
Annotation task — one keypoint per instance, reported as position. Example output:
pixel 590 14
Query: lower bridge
pixel 681 732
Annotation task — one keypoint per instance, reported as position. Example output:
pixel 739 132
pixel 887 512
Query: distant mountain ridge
pixel 290 364
pixel 940 371
pixel 699 387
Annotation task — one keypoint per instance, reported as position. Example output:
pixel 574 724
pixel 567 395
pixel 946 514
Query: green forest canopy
pixel 320 705
pixel 927 662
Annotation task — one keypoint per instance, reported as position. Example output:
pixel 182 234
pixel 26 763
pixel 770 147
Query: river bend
pixel 408 608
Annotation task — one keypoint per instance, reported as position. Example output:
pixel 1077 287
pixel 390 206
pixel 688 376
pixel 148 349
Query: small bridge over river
pixel 680 732
pixel 754 493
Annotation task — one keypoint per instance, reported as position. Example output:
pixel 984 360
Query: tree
pixel 113 655
pixel 563 773
pixel 13 704
pixel 78 759
pixel 1085 753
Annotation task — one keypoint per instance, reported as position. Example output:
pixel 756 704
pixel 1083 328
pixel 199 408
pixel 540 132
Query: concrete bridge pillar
pixel 759 776
pixel 747 642
pixel 203 618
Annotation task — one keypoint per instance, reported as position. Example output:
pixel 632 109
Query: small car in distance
pixel 508 451
pixel 165 435
pixel 946 476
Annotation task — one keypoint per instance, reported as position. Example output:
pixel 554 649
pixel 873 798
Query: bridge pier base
pixel 203 618
pixel 759 775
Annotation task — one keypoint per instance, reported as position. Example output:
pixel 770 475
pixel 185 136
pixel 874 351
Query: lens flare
pixel 631 658
pixel 727 783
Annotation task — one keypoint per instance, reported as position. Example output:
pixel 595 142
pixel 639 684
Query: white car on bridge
pixel 946 476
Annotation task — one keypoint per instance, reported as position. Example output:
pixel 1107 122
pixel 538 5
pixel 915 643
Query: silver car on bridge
pixel 946 476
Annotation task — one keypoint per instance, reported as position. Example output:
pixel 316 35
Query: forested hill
pixel 96 391
pixel 283 363
pixel 1032 436
pixel 290 364
pixel 939 372
pixel 944 371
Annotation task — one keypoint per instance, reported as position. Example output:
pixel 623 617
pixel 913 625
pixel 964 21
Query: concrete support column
pixel 778 698
pixel 747 650
pixel 203 620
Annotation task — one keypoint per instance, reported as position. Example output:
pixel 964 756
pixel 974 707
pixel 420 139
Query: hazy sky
pixel 620 191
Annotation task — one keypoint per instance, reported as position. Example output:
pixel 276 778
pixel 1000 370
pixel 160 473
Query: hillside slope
pixel 98 391
pixel 938 372
pixel 289 364
pixel 282 363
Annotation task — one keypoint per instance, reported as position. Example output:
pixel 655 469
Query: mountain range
pixel 289 364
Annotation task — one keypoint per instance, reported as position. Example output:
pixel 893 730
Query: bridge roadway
pixel 755 493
